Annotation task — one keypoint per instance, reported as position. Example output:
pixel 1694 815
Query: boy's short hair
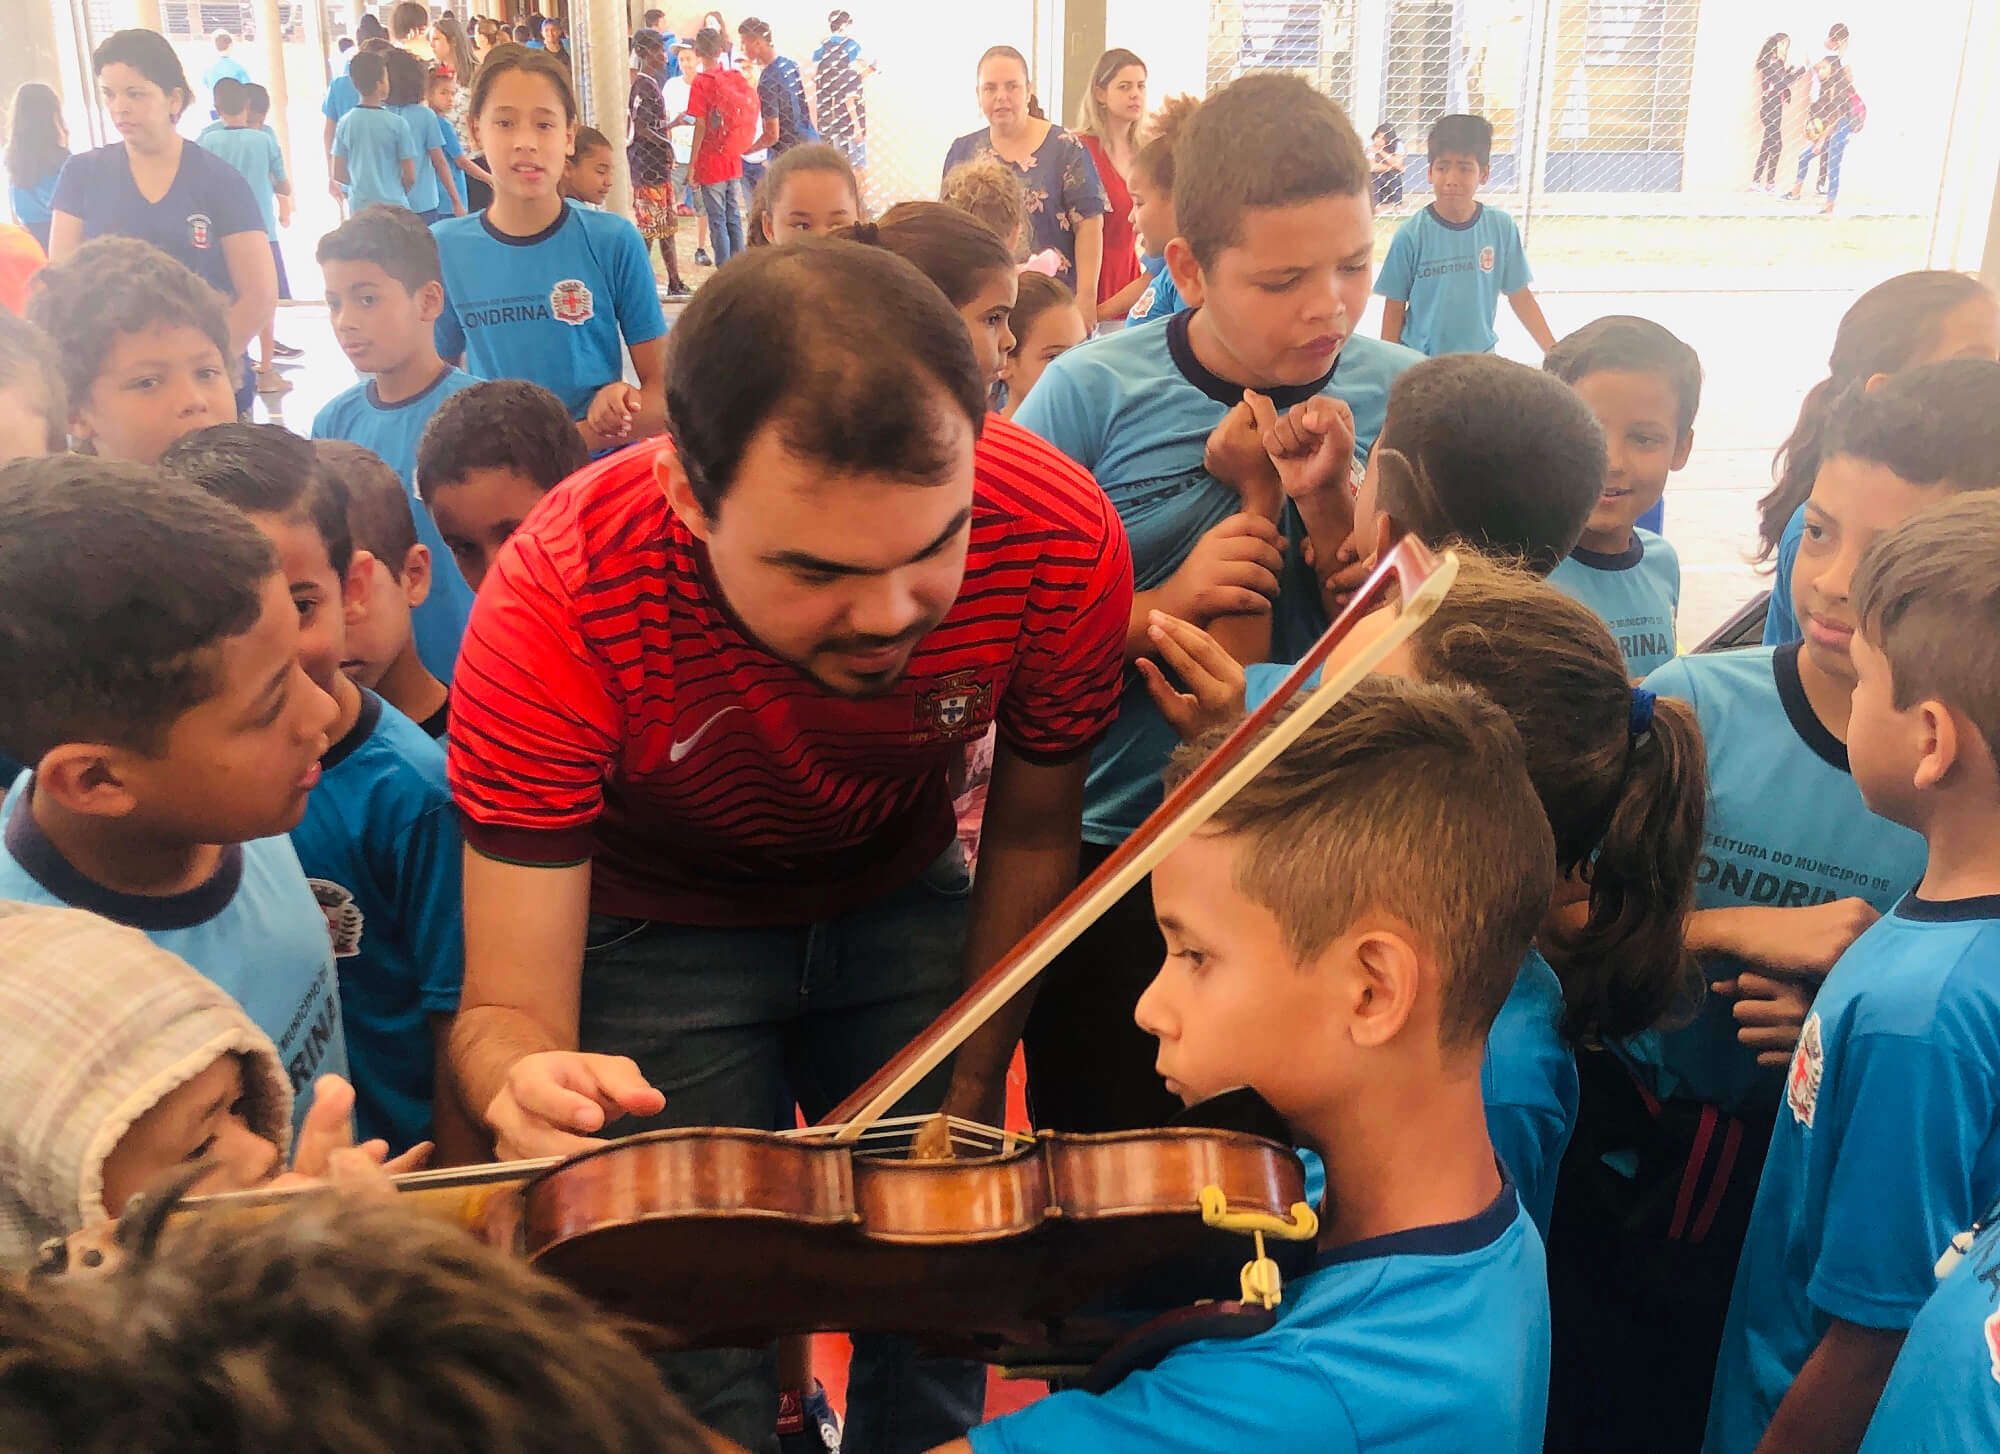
pixel 256 100
pixel 1408 799
pixel 1158 138
pixel 1925 596
pixel 112 287
pixel 409 17
pixel 265 469
pixel 1266 140
pixel 708 44
pixel 652 18
pixel 232 97
pixel 503 424
pixel 115 652
pixel 393 238
pixel 1938 423
pixel 1464 136
pixel 588 140
pixel 28 356
pixel 1622 343
pixel 367 70
pixel 1503 456
pixel 754 28
pixel 411 1334
pixel 378 507
pixel 648 42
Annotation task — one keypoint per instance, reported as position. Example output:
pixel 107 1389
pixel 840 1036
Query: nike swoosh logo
pixel 683 746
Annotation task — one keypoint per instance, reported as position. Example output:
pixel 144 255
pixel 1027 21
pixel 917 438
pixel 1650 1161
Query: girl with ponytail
pixel 1911 319
pixel 1623 778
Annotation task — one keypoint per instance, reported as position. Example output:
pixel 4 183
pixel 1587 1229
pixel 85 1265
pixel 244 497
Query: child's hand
pixel 1801 941
pixel 612 412
pixel 1235 456
pixel 285 210
pixel 1338 584
pixel 1214 694
pixel 326 1149
pixel 1770 1013
pixel 1232 571
pixel 1311 445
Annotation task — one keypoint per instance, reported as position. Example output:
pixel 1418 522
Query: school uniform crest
pixel 1486 260
pixel 1802 1085
pixel 571 302
pixel 959 706
pixel 199 230
pixel 343 917
pixel 1993 1344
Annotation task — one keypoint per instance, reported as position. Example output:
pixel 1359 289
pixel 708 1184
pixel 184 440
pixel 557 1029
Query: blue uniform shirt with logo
pixel 392 431
pixel 1944 1395
pixel 1887 1144
pixel 1159 298
pixel 252 928
pixel 375 142
pixel 379 844
pixel 550 308
pixel 1636 592
pixel 206 202
pixel 1135 409
pixel 1786 828
pixel 1430 1339
pixel 1452 276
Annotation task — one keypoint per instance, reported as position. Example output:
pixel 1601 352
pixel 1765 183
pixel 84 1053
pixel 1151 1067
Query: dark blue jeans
pixel 725 218
pixel 735 1026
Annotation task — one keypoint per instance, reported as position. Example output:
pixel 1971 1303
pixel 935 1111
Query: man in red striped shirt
pixel 701 726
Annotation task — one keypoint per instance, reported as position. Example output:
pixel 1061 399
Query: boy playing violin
pixel 1339 938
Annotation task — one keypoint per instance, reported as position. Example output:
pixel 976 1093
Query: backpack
pixel 1857 112
pixel 733 117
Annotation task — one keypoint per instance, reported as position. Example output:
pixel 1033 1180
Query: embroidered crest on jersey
pixel 955 708
pixel 1486 260
pixel 1993 1344
pixel 571 302
pixel 343 917
pixel 1802 1085
pixel 199 228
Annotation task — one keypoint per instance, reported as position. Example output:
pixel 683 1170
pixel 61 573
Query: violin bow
pixel 1420 580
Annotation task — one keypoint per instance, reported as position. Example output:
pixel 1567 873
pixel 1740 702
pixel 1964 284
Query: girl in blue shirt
pixel 37 147
pixel 538 289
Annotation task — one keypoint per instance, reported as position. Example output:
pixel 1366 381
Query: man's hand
pixel 1232 571
pixel 612 411
pixel 1214 679
pixel 1770 1013
pixel 554 1101
pixel 1235 456
pixel 1311 445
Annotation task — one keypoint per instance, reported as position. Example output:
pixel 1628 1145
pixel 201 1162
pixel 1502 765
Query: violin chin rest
pixel 1149 1343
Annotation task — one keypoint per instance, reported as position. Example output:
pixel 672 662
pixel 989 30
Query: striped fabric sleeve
pixel 534 728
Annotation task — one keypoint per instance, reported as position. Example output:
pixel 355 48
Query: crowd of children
pixel 1630 1008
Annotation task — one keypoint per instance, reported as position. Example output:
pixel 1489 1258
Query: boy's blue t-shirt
pixel 392 431
pixel 1529 1085
pixel 1452 276
pixel 1781 623
pixel 426 127
pixel 552 308
pixel 341 95
pixel 255 154
pixel 1135 408
pixel 1160 298
pixel 380 847
pixel 1943 1396
pixel 375 142
pixel 1435 1338
pixel 1887 1145
pixel 1637 593
pixel 252 928
pixel 1786 828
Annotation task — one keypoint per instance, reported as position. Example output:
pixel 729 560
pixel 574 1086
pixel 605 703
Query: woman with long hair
pixel 1107 123
pixel 37 147
pixel 1774 89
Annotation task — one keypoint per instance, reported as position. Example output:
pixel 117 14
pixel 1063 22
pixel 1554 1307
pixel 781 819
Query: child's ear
pixel 764 222
pixel 1683 447
pixel 1388 530
pixel 417 576
pixel 1186 272
pixel 355 590
pixel 430 301
pixel 1944 738
pixel 1383 977
pixel 87 778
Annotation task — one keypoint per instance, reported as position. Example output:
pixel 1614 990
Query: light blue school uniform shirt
pixel 375 142
pixel 1160 298
pixel 1135 408
pixel 1781 623
pixel 1943 1396
pixel 1887 1146
pixel 223 66
pixel 1637 593
pixel 550 308
pixel 427 131
pixel 455 172
pixel 341 95
pixel 392 431
pixel 1786 828
pixel 1528 1082
pixel 1452 275
pixel 252 928
pixel 255 154
pixel 1434 1338
pixel 380 847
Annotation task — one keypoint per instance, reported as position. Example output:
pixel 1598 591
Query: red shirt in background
pixel 717 160
pixel 606 706
pixel 1121 240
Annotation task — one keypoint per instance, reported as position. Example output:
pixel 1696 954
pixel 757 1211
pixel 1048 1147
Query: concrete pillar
pixel 599 43
pixel 271 31
pixel 1371 65
pixel 146 16
pixel 1082 43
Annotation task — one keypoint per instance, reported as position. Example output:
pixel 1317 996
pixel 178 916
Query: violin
pixel 1030 1249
